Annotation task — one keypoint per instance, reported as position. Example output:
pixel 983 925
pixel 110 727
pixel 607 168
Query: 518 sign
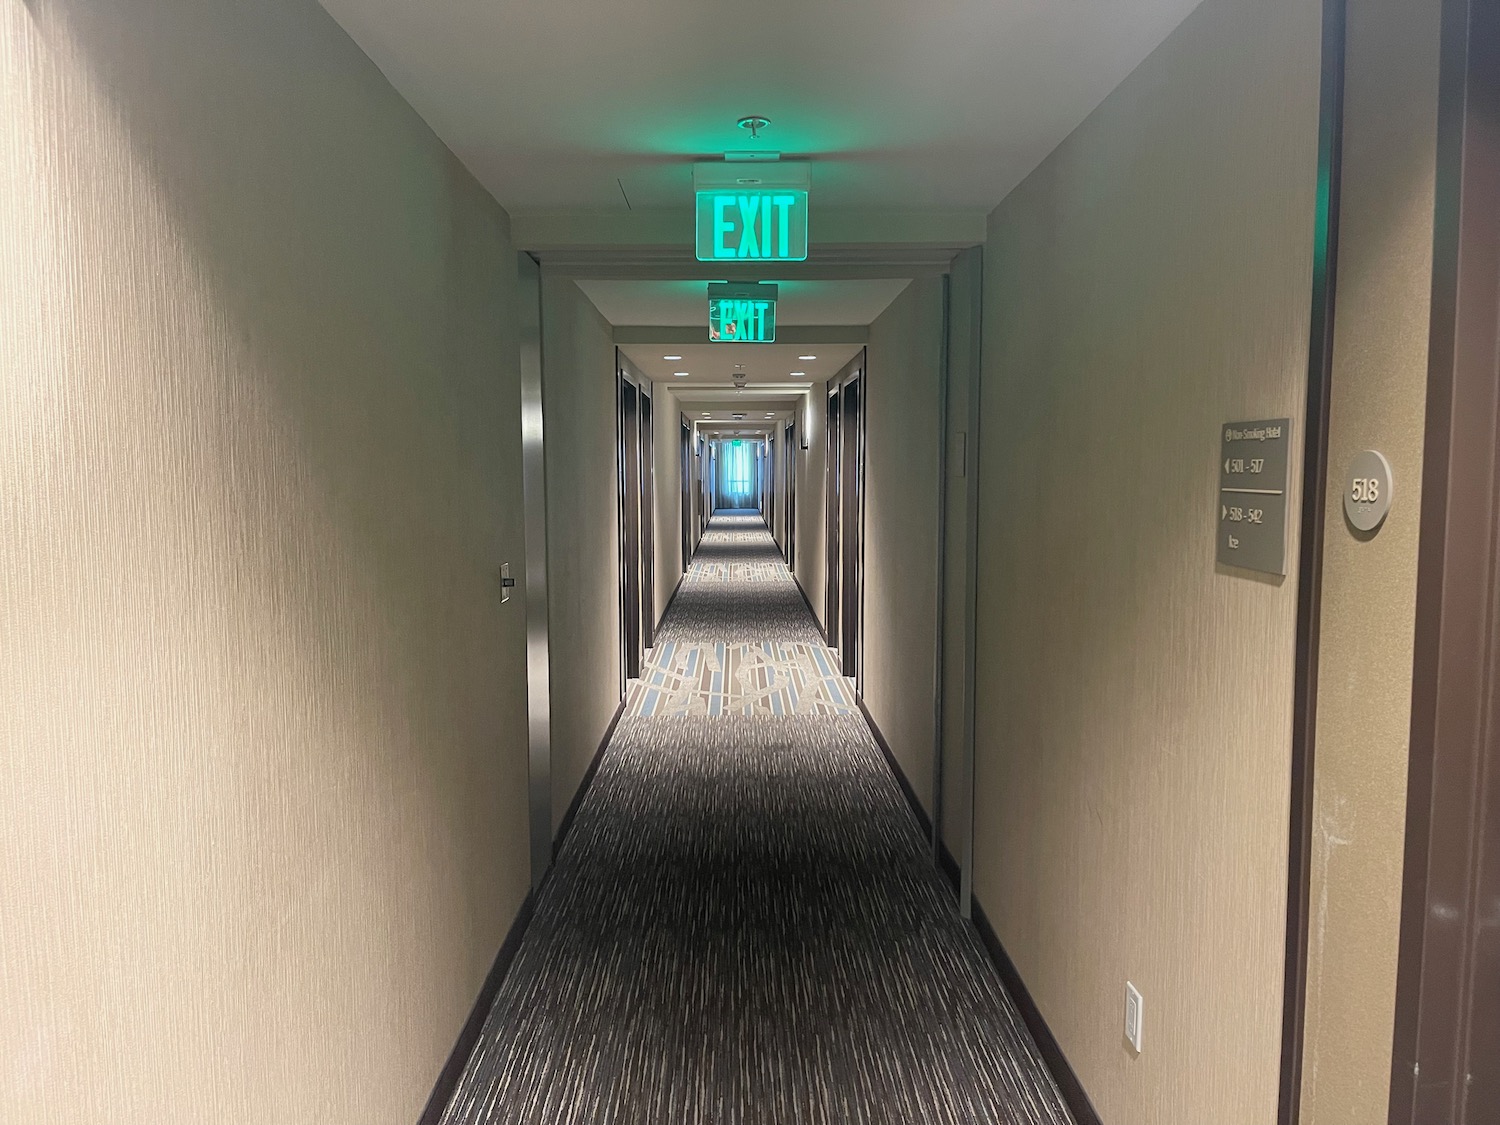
pixel 1368 497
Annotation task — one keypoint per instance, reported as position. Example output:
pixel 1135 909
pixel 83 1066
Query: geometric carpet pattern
pixel 744 926
pixel 719 680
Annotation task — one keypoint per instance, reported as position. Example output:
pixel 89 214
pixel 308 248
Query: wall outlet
pixel 1134 1016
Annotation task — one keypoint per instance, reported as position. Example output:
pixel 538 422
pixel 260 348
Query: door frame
pixel 685 438
pixel 789 439
pixel 1311 523
pixel 1448 967
pixel 855 400
pixel 647 442
pixel 636 517
pixel 833 447
pixel 627 414
pixel 844 503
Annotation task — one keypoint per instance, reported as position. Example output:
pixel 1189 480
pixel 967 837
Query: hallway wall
pixel 262 714
pixel 1149 282
pixel 583 531
pixel 812 512
pixel 965 321
pixel 903 483
pixel 666 421
pixel 1378 401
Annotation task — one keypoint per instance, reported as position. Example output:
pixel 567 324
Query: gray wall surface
pixel 583 552
pixel 666 421
pixel 903 482
pixel 262 713
pixel 1150 281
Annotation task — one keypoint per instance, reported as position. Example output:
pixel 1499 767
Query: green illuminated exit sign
pixel 741 314
pixel 751 212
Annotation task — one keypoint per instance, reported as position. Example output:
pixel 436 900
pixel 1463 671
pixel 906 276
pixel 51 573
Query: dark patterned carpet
pixel 744 926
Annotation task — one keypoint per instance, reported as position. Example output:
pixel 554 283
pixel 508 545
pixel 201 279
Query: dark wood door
pixel 851 526
pixel 790 454
pixel 832 481
pixel 630 529
pixel 647 515
pixel 688 491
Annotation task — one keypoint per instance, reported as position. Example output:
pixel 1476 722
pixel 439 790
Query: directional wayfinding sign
pixel 1252 494
pixel 751 212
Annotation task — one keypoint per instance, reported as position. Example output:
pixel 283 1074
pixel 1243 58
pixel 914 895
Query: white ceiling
pixel 767 367
pixel 680 303
pixel 558 104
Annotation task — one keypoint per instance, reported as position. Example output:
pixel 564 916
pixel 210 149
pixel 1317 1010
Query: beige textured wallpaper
pixel 961 464
pixel 1369 582
pixel 903 484
pixel 262 726
pixel 1150 281
pixel 583 531
pixel 666 420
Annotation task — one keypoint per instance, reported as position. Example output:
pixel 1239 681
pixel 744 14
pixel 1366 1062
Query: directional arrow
pixel 1223 512
pixel 1226 464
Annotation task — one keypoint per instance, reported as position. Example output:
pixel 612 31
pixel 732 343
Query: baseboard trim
pixel 817 624
pixel 890 759
pixel 672 597
pixel 948 865
pixel 468 1038
pixel 1072 1089
pixel 588 780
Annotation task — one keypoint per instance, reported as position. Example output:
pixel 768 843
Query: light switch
pixel 1133 1016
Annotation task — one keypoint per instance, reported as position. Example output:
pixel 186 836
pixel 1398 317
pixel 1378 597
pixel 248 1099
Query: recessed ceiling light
pixel 799 374
pixel 671 357
pixel 770 415
pixel 680 374
pixel 807 357
pixel 705 414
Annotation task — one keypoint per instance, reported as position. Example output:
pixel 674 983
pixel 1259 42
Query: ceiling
pixel 714 418
pixel 585 104
pixel 680 303
pixel 710 366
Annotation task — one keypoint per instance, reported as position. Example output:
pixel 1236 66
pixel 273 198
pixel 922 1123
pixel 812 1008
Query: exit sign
pixel 751 212
pixel 732 321
pixel 752 226
pixel 742 313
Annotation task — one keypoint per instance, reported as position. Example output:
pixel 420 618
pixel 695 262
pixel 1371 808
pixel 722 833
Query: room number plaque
pixel 1367 492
